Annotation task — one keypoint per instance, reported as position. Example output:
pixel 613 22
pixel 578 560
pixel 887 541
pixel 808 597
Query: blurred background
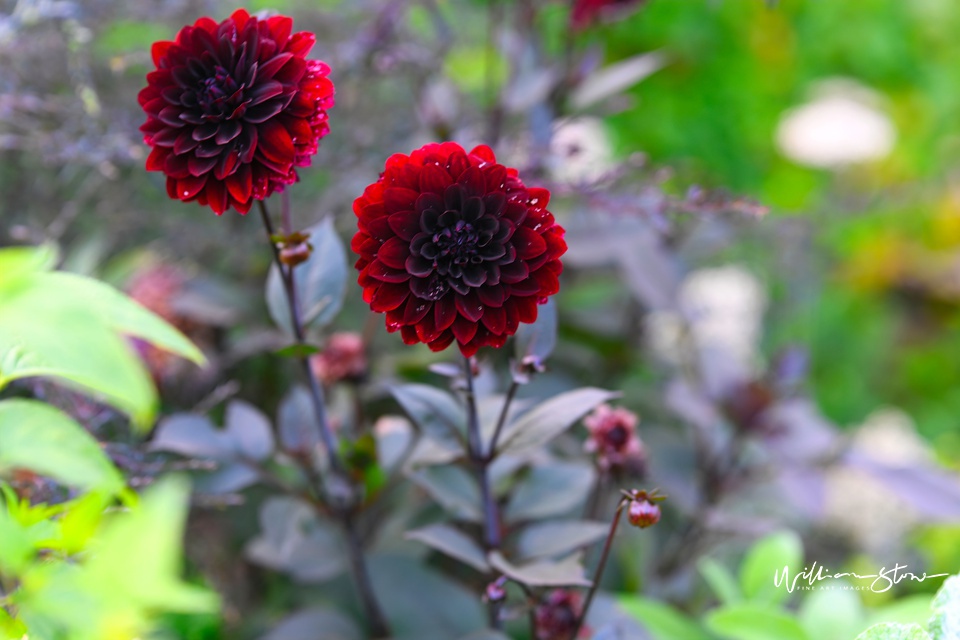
pixel 762 212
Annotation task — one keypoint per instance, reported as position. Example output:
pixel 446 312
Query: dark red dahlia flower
pixel 233 108
pixel 586 12
pixel 453 246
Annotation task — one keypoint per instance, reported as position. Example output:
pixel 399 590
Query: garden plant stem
pixel 600 567
pixel 377 622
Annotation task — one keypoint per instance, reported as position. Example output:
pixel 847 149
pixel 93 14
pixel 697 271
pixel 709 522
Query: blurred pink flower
pixel 613 438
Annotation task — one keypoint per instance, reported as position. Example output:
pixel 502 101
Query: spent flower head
pixel 614 440
pixel 557 614
pixel 454 247
pixel 343 358
pixel 233 108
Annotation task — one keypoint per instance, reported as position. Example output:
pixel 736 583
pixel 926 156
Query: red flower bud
pixel 643 513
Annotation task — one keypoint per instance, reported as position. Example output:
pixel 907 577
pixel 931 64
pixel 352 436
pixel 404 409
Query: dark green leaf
pixel 544 573
pixel 551 489
pixel 453 542
pixel 551 418
pixel 557 537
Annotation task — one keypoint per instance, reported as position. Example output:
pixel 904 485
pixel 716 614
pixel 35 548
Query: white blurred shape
pixel 580 151
pixel 842 125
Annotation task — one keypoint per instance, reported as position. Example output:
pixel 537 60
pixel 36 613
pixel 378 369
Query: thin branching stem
pixel 502 420
pixel 598 574
pixel 345 513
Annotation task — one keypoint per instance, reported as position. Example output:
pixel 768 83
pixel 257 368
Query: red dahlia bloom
pixel 586 12
pixel 453 246
pixel 233 108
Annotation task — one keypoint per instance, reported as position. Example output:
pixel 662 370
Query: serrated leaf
pixel 320 281
pixel 538 339
pixel 749 621
pixel 558 537
pixel 453 542
pixel 765 558
pixel 662 621
pixel 894 631
pixel 37 437
pixel 434 411
pixel 551 418
pixel 551 489
pixel 567 572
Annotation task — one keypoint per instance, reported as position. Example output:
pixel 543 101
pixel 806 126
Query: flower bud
pixel 496 591
pixel 643 513
pixel 293 254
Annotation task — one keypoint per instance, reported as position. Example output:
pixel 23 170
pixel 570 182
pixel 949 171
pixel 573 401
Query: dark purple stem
pixel 374 615
pixel 607 545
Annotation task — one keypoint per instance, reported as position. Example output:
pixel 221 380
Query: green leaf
pixel 72 328
pixel 752 621
pixel 662 621
pixel 551 418
pixel 38 437
pixel 557 537
pixel 320 282
pixel 894 631
pixel 551 489
pixel 722 582
pixel 435 412
pixel 18 261
pixel 836 614
pixel 538 339
pixel 945 622
pixel 567 572
pixel 453 542
pixel 765 558
pixel 17 548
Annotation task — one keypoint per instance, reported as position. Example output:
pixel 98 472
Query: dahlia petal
pixel 528 243
pixel 382 272
pixel 495 319
pixel 276 143
pixel 445 312
pixel 264 91
pixel 434 179
pixel 426 329
pixel 301 43
pixel 513 272
pixel 496 177
pixel 247 143
pixel 379 228
pixel 409 335
pixel 217 196
pixel 492 251
pixel 190 186
pixel 227 131
pixel 457 163
pixel 177 166
pixel 453 197
pixel 464 329
pixel 399 199
pixel 389 296
pixel 494 203
pixel 205 131
pixel 239 184
pixel 547 281
pixel 415 309
pixel 526 308
pixel 184 142
pixel 166 137
pixel 170 115
pixel 515 212
pixel 280 27
pixel 428 221
pixel 491 296
pixel 472 209
pixel 269 68
pixel 157 159
pixel 405 224
pixel 199 166
pixel 473 183
pixel 227 164
pixel 393 253
pixel 526 287
pixel 442 342
pixel 432 288
pixel 159 50
pixel 263 111
pixel 474 275
pixel 418 266
pixel 484 153
pixel 538 197
pixel 469 306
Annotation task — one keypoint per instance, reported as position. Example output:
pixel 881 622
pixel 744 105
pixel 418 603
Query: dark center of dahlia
pixel 461 244
pixel 220 96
